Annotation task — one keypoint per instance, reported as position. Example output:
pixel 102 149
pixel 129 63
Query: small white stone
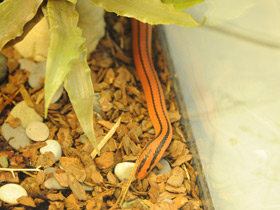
pixel 54 147
pixel 123 170
pixel 27 65
pixel 52 183
pixel 57 94
pixel 4 161
pixel 83 138
pixel 9 193
pixel 166 167
pixel 50 170
pixel 37 131
pixel 37 71
pixel 37 74
pixel 87 187
pixel 151 131
pixel 59 165
pixel 16 137
pixel 25 113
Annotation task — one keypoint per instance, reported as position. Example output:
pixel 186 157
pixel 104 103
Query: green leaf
pixel 79 87
pixel 14 14
pixel 182 4
pixel 67 61
pixel 148 11
pixel 65 40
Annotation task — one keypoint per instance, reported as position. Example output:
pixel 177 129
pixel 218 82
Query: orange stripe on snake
pixel 153 151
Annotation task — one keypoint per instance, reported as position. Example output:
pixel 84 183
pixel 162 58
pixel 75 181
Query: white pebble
pixel 52 183
pixel 83 138
pixel 25 113
pixel 9 193
pixel 151 131
pixel 16 137
pixel 87 187
pixel 59 165
pixel 166 167
pixel 50 170
pixel 37 74
pixel 37 131
pixel 27 64
pixel 54 147
pixel 57 94
pixel 123 170
pixel 4 161
pixel 37 71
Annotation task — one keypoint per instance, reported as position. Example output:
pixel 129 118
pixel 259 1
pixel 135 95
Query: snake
pixel 143 61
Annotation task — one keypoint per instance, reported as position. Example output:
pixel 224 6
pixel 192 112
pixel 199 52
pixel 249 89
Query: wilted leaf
pixel 149 11
pixel 13 17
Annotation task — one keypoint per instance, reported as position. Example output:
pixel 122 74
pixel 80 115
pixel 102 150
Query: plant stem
pixel 12 170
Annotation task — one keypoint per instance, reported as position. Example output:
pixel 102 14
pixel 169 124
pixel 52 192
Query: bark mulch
pixel 118 96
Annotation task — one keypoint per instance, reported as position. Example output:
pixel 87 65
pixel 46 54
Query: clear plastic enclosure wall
pixel 229 72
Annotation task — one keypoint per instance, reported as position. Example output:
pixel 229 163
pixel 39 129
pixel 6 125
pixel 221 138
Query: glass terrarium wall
pixel 229 76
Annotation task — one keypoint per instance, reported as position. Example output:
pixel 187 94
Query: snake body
pixel 153 151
